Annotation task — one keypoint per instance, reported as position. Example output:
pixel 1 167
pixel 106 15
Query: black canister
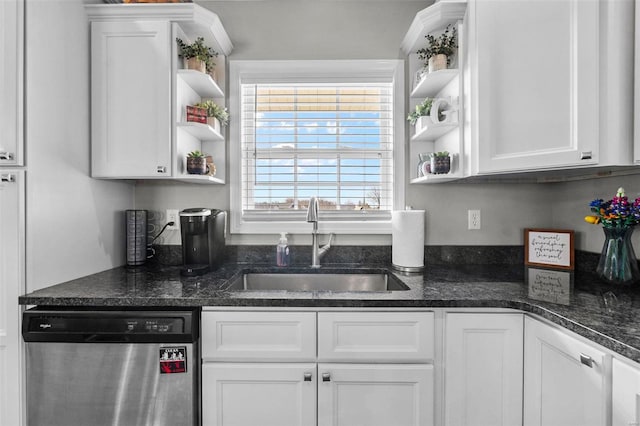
pixel 136 223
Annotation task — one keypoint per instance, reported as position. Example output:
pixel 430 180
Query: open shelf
pixel 433 82
pixel 431 19
pixel 201 83
pixel 201 131
pixel 433 131
pixel 203 179
pixel 441 178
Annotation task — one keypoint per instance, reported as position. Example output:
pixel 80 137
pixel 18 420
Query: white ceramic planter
pixel 215 123
pixel 437 62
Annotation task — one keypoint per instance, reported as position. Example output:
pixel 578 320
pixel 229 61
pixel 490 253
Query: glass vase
pixel 618 263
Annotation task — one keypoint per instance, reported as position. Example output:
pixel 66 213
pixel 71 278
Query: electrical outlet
pixel 474 219
pixel 173 216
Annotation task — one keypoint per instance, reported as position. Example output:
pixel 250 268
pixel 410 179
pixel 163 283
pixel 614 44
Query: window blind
pixel 333 141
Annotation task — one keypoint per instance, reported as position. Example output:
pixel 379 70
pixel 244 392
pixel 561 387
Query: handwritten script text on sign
pixel 549 247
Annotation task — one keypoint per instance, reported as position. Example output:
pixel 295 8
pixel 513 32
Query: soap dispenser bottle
pixel 282 250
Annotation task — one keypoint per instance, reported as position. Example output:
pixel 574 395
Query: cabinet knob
pixel 161 169
pixel 326 377
pixel 587 360
pixel 7 178
pixel 307 377
pixel 585 155
pixel 6 155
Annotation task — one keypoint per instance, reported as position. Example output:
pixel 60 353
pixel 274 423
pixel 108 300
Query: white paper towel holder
pixel 409 269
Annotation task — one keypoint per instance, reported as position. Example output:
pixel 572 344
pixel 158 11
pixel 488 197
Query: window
pixel 308 128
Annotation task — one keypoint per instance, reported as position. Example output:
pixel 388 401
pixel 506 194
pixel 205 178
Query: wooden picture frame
pixel 550 248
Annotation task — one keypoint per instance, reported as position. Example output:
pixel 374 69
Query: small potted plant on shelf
pixel 416 117
pixel 196 163
pixel 197 56
pixel 216 115
pixel 440 162
pixel 437 54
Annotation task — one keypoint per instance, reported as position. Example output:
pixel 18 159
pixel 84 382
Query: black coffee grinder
pixel 203 240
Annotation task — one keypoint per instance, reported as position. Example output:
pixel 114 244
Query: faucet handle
pixel 312 212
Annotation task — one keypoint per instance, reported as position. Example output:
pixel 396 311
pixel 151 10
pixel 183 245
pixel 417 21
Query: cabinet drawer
pixel 377 336
pixel 264 336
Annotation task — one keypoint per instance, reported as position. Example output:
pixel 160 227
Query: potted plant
pixel 216 115
pixel 440 162
pixel 196 163
pixel 437 54
pixel 423 109
pixel 196 55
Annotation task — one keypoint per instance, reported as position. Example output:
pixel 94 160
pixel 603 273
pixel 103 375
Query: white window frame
pixel 301 70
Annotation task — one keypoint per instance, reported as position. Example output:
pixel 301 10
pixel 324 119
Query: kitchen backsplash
pixel 434 255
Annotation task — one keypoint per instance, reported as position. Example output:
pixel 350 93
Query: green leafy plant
pixel 421 110
pixel 440 154
pixel 215 110
pixel 445 44
pixel 195 154
pixel 198 50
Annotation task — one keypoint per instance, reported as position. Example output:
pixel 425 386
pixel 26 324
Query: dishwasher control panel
pixel 97 326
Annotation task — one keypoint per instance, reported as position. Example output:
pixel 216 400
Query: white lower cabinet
pixel 625 388
pixel 259 394
pixel 12 283
pixel 564 379
pixel 375 394
pixel 380 370
pixel 483 369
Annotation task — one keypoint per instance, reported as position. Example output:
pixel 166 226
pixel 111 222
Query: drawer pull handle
pixel 307 377
pixel 161 169
pixel 326 377
pixel 585 155
pixel 587 360
pixel 6 155
pixel 7 178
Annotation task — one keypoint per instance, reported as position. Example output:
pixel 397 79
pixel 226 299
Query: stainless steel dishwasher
pixel 116 368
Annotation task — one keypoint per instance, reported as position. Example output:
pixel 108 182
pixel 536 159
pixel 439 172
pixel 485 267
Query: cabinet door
pixel 11 82
pixel 483 375
pixel 564 379
pixel 11 286
pixel 375 395
pixel 258 394
pixel 375 336
pixel 259 336
pixel 625 394
pixel 534 84
pixel 131 99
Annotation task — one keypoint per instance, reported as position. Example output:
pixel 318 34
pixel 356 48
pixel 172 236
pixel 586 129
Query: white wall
pixel 75 224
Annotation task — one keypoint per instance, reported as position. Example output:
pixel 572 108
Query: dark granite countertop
pixel 579 302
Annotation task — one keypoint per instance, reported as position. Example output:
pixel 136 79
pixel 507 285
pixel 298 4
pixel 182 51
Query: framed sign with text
pixel 551 248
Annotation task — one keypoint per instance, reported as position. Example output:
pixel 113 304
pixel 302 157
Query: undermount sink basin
pixel 335 282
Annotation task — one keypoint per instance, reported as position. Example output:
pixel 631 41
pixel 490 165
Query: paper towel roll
pixel 407 239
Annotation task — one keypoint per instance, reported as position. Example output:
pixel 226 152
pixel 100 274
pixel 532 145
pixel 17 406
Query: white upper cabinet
pixel 131 99
pixel 546 85
pixel 533 84
pixel 139 91
pixel 11 83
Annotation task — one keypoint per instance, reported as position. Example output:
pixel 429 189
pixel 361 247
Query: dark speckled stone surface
pixel 607 315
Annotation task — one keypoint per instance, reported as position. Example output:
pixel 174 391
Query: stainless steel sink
pixel 336 282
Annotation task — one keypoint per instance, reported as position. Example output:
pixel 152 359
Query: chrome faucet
pixel 316 252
